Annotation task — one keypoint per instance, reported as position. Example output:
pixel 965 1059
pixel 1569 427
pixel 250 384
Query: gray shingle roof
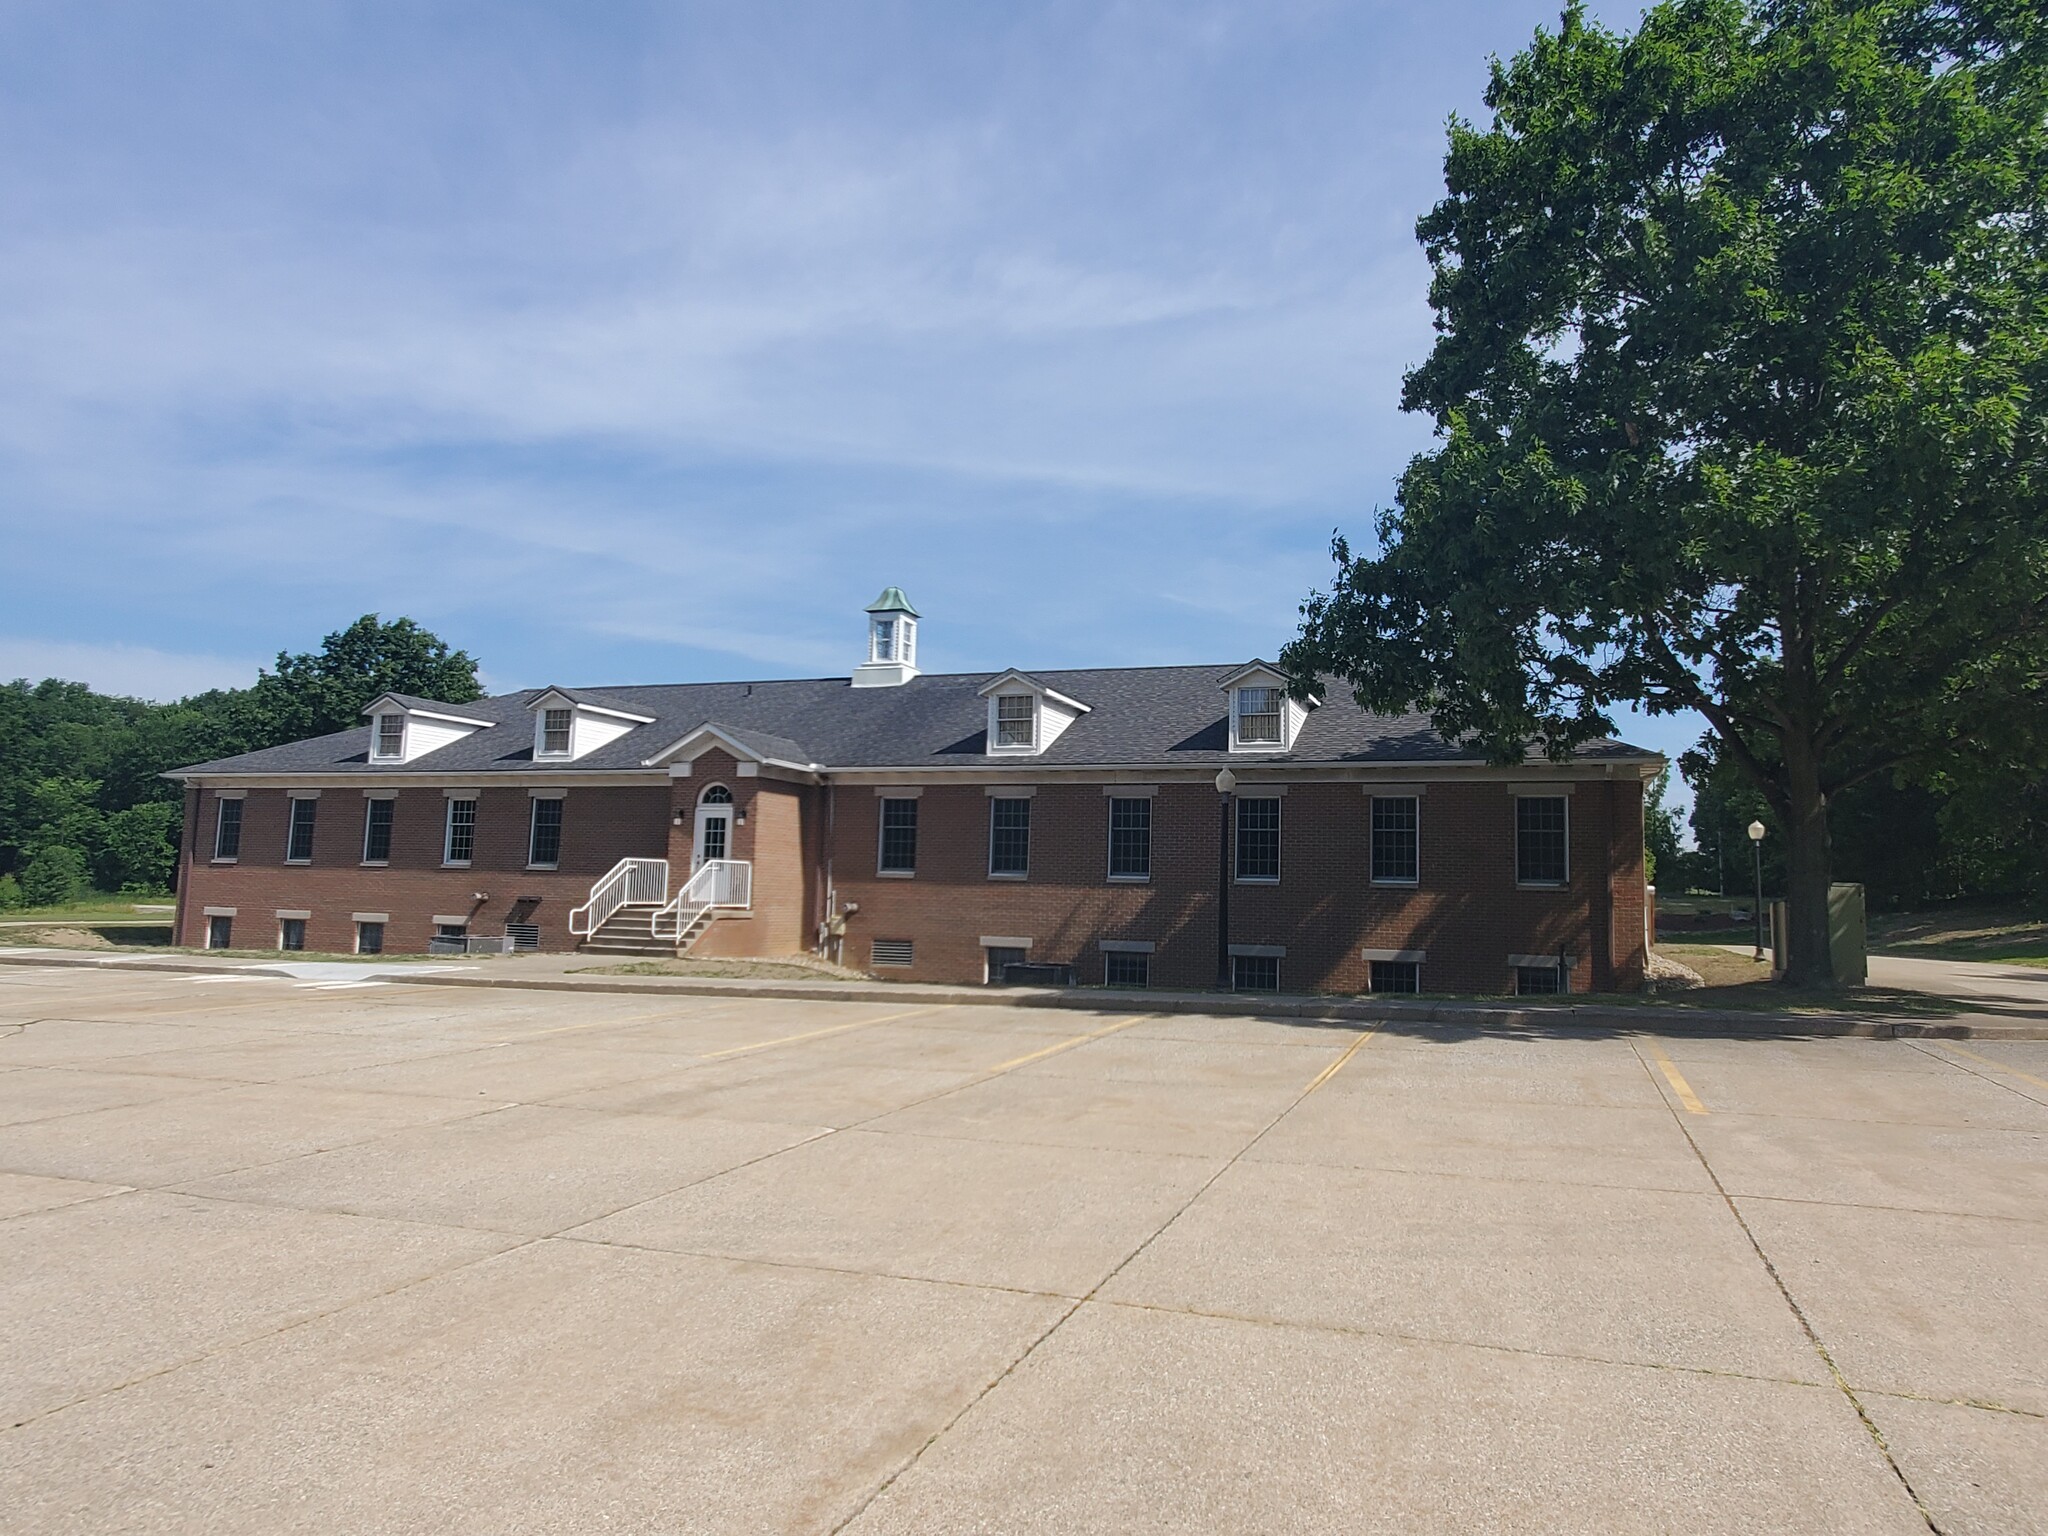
pixel 1141 717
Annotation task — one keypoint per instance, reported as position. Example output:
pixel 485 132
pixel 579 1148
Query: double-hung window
pixel 227 830
pixel 1016 720
pixel 1009 837
pixel 544 835
pixel 554 732
pixel 377 831
pixel 1130 839
pixel 298 846
pixel 1258 716
pixel 1395 851
pixel 391 736
pixel 458 844
pixel 1258 839
pixel 884 640
pixel 899 838
pixel 1541 844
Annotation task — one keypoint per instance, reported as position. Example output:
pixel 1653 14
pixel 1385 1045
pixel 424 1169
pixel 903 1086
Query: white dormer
pixel 1024 716
pixel 1263 716
pixel 403 728
pixel 567 725
pixel 892 642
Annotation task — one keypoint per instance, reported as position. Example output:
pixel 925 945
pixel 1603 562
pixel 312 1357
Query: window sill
pixel 1007 875
pixel 1397 885
pixel 299 862
pixel 376 864
pixel 1130 879
pixel 543 866
pixel 896 874
pixel 1257 880
pixel 1543 885
pixel 455 863
pixel 224 861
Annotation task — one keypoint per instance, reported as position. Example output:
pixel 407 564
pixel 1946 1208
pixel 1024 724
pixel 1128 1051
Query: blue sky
pixel 625 343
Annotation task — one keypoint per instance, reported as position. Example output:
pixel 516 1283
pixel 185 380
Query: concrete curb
pixel 1646 1019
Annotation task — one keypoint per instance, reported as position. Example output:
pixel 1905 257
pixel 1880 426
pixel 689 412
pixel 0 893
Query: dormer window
pixel 1264 716
pixel 1259 717
pixel 554 732
pixel 1025 716
pixel 570 726
pixel 404 729
pixel 1016 720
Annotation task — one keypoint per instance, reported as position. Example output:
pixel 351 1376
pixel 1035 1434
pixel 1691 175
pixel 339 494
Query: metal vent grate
pixel 523 935
pixel 892 952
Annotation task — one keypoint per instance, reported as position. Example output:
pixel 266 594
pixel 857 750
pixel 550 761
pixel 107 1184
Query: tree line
pixel 83 804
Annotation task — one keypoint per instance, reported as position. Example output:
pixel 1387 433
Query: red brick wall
pixel 774 838
pixel 1466 910
pixel 600 826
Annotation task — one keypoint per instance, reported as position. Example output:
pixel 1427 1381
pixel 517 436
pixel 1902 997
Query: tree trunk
pixel 1809 872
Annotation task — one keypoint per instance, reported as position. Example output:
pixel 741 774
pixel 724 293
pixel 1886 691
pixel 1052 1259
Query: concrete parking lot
pixel 398 1258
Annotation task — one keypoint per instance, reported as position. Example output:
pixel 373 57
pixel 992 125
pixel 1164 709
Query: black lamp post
pixel 1756 843
pixel 1226 785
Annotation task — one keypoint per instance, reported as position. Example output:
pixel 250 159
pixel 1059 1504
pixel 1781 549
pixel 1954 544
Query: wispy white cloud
pixel 136 671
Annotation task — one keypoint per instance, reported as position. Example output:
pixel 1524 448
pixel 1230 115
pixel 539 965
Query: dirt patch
pixel 58 938
pixel 729 970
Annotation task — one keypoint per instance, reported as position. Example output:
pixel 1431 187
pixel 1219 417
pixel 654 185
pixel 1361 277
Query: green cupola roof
pixel 892 600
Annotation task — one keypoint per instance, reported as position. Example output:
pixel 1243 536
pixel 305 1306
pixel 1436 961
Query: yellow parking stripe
pixel 1997 1065
pixel 1067 1044
pixel 836 1029
pixel 1337 1066
pixel 1676 1079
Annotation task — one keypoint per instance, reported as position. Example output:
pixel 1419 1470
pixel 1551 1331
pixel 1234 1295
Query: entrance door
pixel 714 835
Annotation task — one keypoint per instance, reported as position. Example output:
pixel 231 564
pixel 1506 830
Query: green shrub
pixel 11 899
pixel 55 877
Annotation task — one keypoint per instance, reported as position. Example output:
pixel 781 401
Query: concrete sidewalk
pixel 573 973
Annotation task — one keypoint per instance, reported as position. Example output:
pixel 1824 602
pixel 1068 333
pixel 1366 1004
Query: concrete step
pixel 640 946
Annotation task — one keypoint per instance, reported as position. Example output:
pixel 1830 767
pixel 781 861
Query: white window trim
pixel 448 831
pixel 370 804
pixel 882 797
pixel 997 747
pixel 542 752
pixel 534 803
pixel 1413 881
pixel 291 822
pixel 1237 741
pixel 1110 798
pixel 1515 839
pixel 241 799
pixel 1279 839
pixel 1008 874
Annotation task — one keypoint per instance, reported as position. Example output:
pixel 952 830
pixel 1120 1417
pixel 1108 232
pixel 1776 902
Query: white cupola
pixel 892 642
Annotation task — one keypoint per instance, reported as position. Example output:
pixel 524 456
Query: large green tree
pixel 316 692
pixel 1739 388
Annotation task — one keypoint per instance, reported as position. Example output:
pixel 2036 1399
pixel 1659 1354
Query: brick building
pixel 938 827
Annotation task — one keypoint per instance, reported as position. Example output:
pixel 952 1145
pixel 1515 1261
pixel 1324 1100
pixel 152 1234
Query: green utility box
pixel 1848 935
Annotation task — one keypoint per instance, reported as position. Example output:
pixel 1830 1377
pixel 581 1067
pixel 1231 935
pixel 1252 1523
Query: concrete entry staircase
pixel 630 931
pixel 631 913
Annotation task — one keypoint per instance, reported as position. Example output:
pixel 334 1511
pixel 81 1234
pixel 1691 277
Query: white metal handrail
pixel 630 880
pixel 717 883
